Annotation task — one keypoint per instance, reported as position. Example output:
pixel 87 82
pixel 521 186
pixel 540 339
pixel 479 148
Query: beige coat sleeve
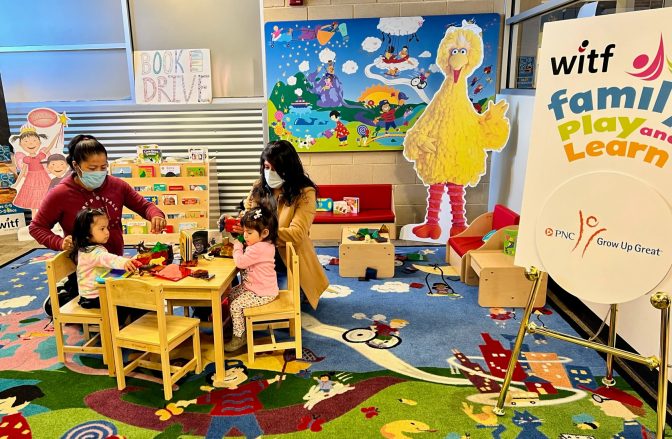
pixel 304 213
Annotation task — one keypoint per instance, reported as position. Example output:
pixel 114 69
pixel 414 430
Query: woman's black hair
pixel 24 393
pixel 81 147
pixel 81 230
pixel 261 218
pixel 287 163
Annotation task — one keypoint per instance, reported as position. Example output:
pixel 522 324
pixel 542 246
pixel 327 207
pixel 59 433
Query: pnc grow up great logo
pixel 587 236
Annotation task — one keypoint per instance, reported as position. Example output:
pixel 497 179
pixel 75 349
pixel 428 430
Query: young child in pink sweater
pixel 90 233
pixel 259 284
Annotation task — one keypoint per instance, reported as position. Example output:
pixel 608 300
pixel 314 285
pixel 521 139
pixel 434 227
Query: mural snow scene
pixel 362 84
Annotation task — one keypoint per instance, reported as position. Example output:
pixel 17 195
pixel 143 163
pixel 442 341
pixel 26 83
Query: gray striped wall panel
pixel 234 137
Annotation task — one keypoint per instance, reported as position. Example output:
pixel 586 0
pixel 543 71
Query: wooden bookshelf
pixel 183 198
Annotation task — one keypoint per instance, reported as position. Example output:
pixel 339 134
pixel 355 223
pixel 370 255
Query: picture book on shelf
pixel 128 216
pixel 136 227
pixel 159 187
pixel 122 171
pixel 152 199
pixel 170 170
pixel 189 200
pixel 341 208
pixel 177 215
pixel 176 188
pixel 198 154
pixel 353 204
pixel 187 225
pixel 169 200
pixel 195 214
pixel 146 171
pixel 197 187
pixel 142 188
pixel 195 171
pixel 149 154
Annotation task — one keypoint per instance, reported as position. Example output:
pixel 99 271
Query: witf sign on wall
pixel 180 76
pixel 596 206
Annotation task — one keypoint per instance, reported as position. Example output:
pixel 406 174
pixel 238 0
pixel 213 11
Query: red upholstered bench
pixel 472 238
pixel 376 204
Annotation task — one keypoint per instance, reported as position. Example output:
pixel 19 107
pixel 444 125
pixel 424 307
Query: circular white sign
pixel 605 237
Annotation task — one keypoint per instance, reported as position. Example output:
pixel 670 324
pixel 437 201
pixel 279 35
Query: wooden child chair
pixel 154 332
pixel 283 312
pixel 59 267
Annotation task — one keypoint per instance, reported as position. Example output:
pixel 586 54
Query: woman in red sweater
pixel 89 186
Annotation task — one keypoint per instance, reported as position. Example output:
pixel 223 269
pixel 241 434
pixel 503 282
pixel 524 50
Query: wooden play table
pixel 201 292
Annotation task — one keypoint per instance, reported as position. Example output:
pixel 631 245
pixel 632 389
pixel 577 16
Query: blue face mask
pixel 93 179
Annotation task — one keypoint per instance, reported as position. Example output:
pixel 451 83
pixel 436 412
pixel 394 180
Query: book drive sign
pixel 180 76
pixel 596 205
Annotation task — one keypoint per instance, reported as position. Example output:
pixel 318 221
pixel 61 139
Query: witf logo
pixel 585 228
pixel 566 65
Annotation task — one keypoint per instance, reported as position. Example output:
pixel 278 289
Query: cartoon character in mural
pixel 619 404
pixel 449 142
pixel 12 401
pixel 236 404
pixel 341 131
pixel 328 87
pixel 386 117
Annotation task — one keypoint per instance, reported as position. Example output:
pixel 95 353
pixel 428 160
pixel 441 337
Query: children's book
pixel 142 188
pixel 177 215
pixel 136 227
pixel 149 154
pixel 122 171
pixel 127 216
pixel 170 171
pixel 169 200
pixel 195 171
pixel 189 200
pixel 195 214
pixel 159 187
pixel 146 171
pixel 152 199
pixel 198 155
pixel 112 274
pixel 197 187
pixel 187 226
pixel 176 188
pixel 353 203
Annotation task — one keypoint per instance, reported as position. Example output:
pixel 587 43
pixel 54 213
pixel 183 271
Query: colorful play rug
pixel 382 358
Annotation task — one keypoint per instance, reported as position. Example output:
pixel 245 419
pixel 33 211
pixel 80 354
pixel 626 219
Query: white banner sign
pixel 596 206
pixel 180 76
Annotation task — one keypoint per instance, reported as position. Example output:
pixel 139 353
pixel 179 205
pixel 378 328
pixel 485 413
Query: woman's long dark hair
pixel 81 147
pixel 81 230
pixel 286 162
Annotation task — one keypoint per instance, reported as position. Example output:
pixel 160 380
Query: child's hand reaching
pixel 130 266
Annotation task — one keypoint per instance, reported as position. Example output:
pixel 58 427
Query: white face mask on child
pixel 273 180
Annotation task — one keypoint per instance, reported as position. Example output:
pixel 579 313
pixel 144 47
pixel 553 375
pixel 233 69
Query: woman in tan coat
pixel 284 187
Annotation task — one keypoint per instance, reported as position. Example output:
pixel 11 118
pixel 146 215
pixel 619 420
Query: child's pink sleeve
pixel 251 256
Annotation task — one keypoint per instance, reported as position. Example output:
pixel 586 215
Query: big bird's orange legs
pixel 431 229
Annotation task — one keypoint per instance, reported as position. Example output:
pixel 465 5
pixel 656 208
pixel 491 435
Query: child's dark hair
pixel 335 113
pixel 81 230
pixel 81 147
pixel 259 219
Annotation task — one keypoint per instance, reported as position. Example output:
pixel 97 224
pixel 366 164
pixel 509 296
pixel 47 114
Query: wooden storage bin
pixel 356 256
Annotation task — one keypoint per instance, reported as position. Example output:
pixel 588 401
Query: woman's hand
pixel 158 224
pixel 67 244
pixel 130 266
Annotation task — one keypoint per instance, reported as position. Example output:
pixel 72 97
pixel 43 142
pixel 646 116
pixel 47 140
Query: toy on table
pixel 112 274
pixel 230 222
pixel 173 272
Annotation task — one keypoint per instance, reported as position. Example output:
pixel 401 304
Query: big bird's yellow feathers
pixel 448 143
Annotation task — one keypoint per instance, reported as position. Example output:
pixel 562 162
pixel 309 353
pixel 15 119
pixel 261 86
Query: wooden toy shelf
pixel 183 198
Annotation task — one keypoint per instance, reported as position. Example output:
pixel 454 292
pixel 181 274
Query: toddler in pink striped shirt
pixel 89 233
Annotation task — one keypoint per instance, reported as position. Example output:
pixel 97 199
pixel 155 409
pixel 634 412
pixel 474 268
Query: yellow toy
pixel 448 143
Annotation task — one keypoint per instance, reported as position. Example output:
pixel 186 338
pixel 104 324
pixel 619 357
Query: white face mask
pixel 273 179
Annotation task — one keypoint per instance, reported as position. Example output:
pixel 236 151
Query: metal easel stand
pixel 661 301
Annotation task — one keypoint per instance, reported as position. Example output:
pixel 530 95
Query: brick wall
pixel 382 167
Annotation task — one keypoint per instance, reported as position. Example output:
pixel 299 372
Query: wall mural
pixel 362 84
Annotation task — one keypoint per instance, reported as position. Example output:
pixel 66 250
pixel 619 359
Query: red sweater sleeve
pixel 139 205
pixel 45 219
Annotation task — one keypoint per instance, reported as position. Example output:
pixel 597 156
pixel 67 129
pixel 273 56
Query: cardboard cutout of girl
pixel 31 154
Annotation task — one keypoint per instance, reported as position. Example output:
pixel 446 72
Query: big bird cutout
pixel 449 142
